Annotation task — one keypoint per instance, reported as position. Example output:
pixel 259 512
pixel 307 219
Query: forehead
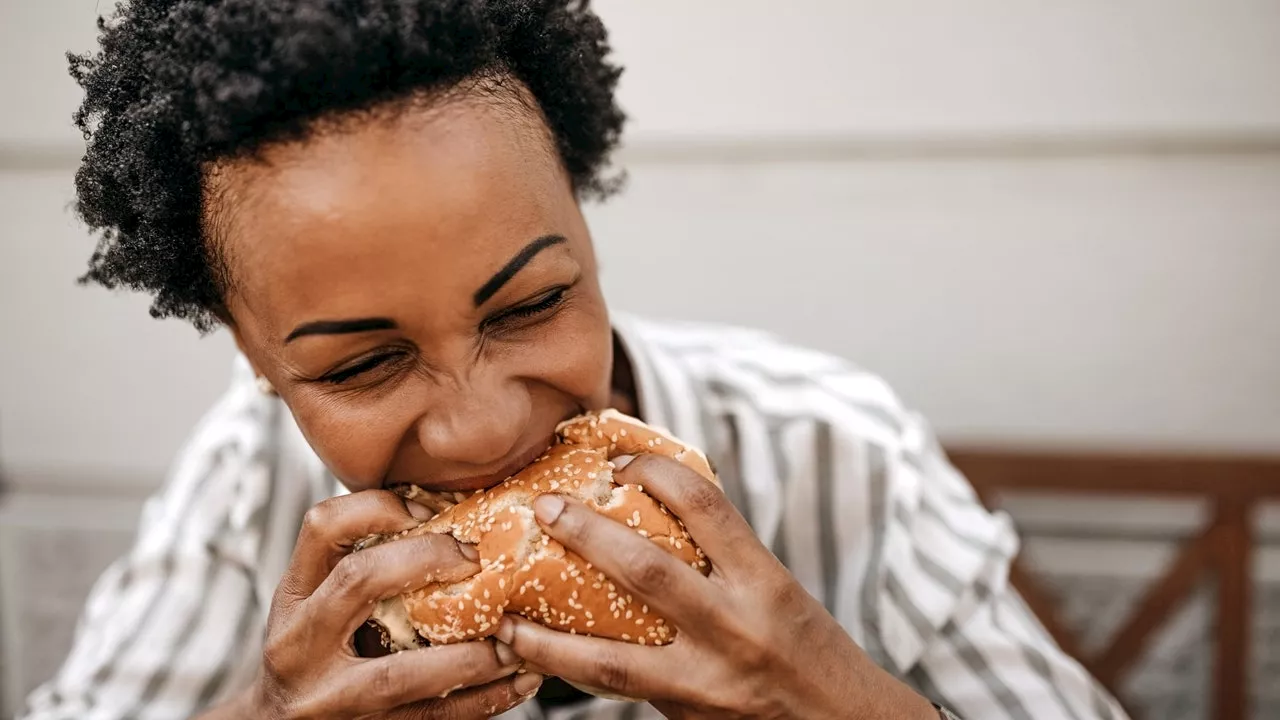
pixel 428 199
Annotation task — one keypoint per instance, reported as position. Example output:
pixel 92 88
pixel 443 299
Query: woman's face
pixel 421 291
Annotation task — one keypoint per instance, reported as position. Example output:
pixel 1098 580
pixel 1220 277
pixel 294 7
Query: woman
pixel 379 200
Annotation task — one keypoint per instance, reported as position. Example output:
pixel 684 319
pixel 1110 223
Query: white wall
pixel 1044 224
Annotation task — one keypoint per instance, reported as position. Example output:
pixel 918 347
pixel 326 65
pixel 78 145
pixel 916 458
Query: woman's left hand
pixel 751 642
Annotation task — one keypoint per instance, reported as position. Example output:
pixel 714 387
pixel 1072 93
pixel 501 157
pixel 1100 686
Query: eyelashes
pixel 339 377
pixel 542 305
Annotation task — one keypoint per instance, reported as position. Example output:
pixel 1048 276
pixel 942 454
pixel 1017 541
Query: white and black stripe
pixel 848 488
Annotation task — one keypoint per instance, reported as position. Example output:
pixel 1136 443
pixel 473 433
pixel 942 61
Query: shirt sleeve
pixel 937 605
pixel 166 629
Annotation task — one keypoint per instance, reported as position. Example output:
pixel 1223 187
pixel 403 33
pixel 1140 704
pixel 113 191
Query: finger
pixel 711 519
pixel 629 670
pixel 411 676
pixel 330 528
pixel 674 589
pixel 345 600
pixel 473 703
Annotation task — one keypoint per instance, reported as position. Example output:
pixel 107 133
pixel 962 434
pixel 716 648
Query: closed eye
pixel 539 306
pixel 338 377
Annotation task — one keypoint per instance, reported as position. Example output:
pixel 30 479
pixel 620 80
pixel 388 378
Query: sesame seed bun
pixel 526 572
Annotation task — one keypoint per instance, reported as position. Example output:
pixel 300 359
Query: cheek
pixel 355 440
pixel 576 359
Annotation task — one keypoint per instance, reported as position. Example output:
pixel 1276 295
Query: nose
pixel 475 423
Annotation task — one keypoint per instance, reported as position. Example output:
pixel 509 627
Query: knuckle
pixel 388 684
pixel 611 672
pixel 350 577
pixel 485 703
pixel 650 572
pixel 317 518
pixel 784 595
pixel 753 652
pixel 300 710
pixel 275 657
pixel 754 645
pixel 704 498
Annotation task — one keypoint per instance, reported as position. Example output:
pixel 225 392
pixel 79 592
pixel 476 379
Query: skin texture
pixel 403 217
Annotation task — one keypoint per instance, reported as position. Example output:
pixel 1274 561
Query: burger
pixel 524 571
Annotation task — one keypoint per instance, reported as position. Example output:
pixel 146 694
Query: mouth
pixel 472 483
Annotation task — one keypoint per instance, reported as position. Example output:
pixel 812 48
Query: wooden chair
pixel 1233 486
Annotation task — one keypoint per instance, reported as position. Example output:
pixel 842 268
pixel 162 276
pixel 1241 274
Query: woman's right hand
pixel 309 666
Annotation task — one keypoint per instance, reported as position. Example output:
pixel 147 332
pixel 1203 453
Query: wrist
pixel 885 697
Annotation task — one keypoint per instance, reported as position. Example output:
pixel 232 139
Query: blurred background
pixel 1054 228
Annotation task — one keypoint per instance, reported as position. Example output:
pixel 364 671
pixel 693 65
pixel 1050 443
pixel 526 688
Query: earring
pixel 265 387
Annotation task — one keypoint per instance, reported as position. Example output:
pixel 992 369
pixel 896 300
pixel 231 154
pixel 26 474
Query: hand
pixel 309 666
pixel 751 642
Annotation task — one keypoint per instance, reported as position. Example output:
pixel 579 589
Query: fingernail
pixel 622 461
pixel 506 631
pixel 527 684
pixel 418 510
pixel 547 508
pixel 505 654
pixel 469 551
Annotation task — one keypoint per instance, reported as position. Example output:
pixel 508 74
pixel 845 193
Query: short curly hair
pixel 179 84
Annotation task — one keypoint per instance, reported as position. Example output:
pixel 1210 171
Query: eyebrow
pixel 513 266
pixel 340 327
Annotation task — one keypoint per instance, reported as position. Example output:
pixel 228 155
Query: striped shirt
pixel 848 488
